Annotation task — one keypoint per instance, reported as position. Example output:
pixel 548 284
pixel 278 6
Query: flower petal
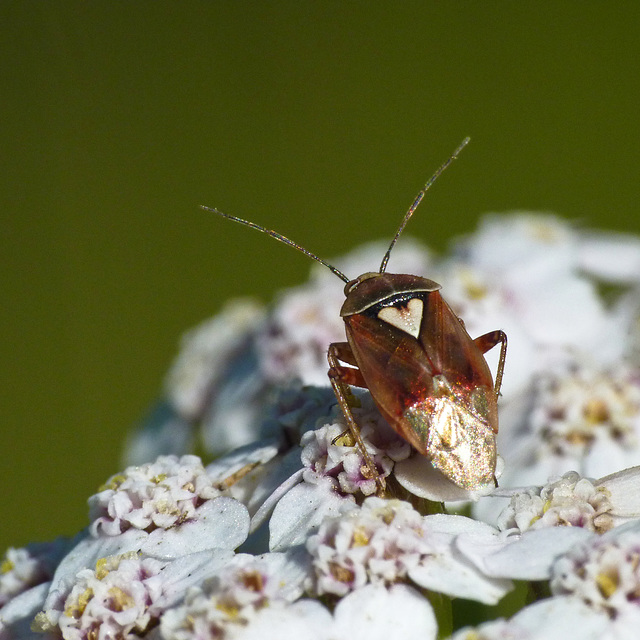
pixel 377 613
pixel 300 512
pixel 624 490
pixel 458 579
pixel 562 618
pixel 532 556
pixel 223 523
pixel 417 475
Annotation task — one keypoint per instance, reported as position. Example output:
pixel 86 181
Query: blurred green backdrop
pixel 320 119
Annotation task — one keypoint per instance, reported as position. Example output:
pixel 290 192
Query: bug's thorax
pixel 371 289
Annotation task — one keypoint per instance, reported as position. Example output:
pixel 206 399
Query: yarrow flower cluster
pixel 571 501
pixel 22 569
pixel 158 495
pixel 605 573
pixel 378 543
pixel 330 452
pixel 387 542
pixel 285 532
pixel 116 599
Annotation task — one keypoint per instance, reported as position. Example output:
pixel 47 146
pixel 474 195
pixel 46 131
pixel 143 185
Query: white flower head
pixel 582 418
pixel 569 501
pixel 521 241
pixel 386 542
pixel 542 524
pixel 205 352
pixel 578 409
pixel 376 544
pixel 24 568
pixel 331 451
pixel 117 599
pixel 157 495
pixel 604 571
pixel 298 333
pixel 236 597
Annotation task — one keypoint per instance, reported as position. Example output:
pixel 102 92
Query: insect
pixel 426 375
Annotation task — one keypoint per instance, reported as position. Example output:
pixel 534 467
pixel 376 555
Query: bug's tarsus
pixel 418 199
pixel 279 237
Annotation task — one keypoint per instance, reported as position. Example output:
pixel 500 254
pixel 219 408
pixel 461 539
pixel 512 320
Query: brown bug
pixel 426 375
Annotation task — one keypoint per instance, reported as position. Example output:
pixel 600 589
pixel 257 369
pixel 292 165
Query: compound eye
pixel 350 286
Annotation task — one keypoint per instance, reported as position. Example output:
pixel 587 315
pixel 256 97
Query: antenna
pixel 418 199
pixel 281 238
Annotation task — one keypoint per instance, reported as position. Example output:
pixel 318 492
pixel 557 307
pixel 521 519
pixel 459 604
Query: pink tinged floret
pixel 604 571
pixel 157 495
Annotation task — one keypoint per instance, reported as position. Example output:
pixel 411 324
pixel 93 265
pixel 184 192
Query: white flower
pixel 331 452
pixel 580 417
pixel 158 495
pixel 243 600
pixel 202 617
pixel 377 544
pixel 541 524
pixel 21 569
pixel 205 351
pixel 116 600
pixel 209 384
pixel 371 613
pixel 122 594
pixel 511 245
pixel 387 541
pixel 604 571
pixel 299 330
pixel 570 501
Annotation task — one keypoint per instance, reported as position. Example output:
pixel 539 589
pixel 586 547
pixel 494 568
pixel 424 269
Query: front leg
pixel 341 377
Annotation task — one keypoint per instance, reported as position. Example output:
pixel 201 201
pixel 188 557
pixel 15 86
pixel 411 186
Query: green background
pixel 321 120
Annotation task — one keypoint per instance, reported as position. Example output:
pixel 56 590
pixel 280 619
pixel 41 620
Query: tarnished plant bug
pixel 427 376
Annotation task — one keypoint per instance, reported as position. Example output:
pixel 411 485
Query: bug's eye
pixel 350 286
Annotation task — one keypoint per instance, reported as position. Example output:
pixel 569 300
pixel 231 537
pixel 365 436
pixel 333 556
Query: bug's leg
pixel 490 340
pixel 341 377
pixel 342 351
pixel 348 376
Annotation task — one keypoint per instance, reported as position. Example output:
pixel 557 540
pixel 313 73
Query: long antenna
pixel 281 238
pixel 418 199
